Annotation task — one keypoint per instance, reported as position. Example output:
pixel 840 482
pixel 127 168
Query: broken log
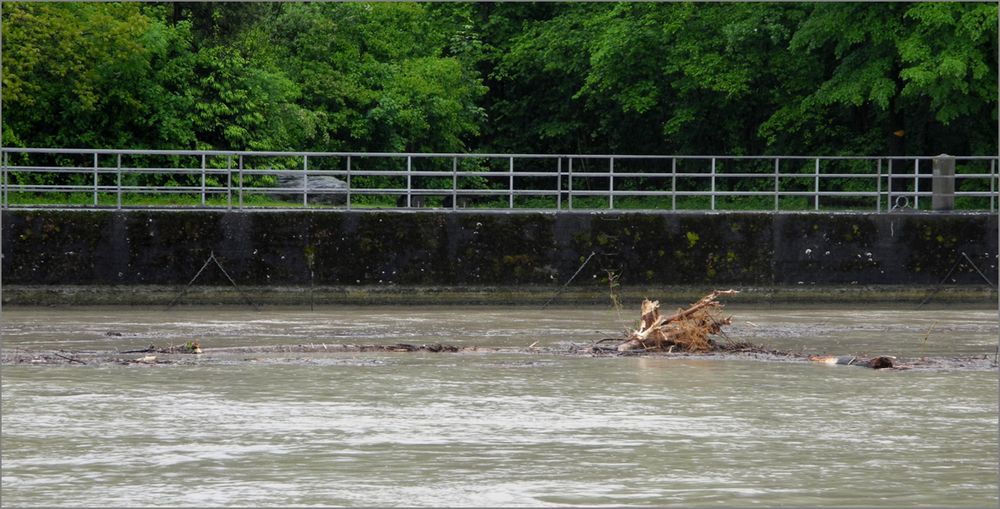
pixel 848 360
pixel 687 329
pixel 70 359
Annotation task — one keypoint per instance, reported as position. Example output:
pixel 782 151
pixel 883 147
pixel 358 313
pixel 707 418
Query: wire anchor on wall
pixel 211 258
pixel 592 253
pixel 958 262
pixel 976 268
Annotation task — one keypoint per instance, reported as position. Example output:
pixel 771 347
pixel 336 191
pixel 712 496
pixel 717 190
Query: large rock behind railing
pixel 323 189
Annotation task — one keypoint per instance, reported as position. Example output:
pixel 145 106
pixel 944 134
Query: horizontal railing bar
pixel 439 173
pixel 502 192
pixel 108 189
pixel 112 170
pixel 958 194
pixel 462 155
pixel 734 193
pixel 54 169
pixel 755 175
pixel 37 188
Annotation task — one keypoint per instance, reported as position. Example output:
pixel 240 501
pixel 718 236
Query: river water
pixel 495 429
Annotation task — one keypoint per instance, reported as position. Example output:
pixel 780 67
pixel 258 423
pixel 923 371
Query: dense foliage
pixel 654 78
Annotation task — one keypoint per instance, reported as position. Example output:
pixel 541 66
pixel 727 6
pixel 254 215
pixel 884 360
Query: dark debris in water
pixel 300 353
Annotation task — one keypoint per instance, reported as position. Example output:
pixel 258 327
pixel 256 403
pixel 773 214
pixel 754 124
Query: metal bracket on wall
pixel 211 258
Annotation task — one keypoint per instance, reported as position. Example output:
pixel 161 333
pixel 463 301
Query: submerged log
pixel 880 362
pixel 848 360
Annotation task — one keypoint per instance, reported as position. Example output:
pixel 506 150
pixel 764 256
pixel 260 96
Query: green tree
pixel 921 77
pixel 80 75
pixel 698 79
pixel 119 75
pixel 648 78
pixel 377 77
pixel 535 77
pixel 758 78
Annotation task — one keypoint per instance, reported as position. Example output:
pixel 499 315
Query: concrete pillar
pixel 943 197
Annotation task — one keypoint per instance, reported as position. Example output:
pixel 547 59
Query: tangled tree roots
pixel 686 330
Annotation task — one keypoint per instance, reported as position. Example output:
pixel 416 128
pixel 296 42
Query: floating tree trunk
pixel 686 330
pixel 849 360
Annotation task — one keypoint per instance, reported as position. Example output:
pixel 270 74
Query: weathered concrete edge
pixel 163 295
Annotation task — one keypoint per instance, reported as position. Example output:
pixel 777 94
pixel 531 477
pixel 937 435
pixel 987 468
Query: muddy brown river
pixel 517 427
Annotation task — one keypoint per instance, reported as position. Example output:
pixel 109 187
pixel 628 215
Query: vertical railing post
pixel 611 184
pixel 409 182
pixel 878 186
pixel 993 182
pixel 6 182
pixel 6 179
pixel 95 179
pixel 816 186
pixel 777 183
pixel 916 184
pixel 712 190
pixel 229 181
pixel 943 183
pixel 348 183
pixel 454 183
pixel 569 184
pixel 673 183
pixel 888 186
pixel 3 168
pixel 559 183
pixel 240 189
pixel 118 177
pixel 203 180
pixel 305 181
pixel 510 170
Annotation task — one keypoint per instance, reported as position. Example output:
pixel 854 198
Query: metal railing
pixel 119 179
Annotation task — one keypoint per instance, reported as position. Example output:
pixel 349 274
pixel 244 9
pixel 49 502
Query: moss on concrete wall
pixel 483 249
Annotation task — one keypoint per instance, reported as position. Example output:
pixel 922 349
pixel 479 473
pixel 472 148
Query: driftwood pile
pixel 686 330
pixel 691 330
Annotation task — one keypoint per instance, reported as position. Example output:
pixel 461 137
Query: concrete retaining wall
pixel 481 250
